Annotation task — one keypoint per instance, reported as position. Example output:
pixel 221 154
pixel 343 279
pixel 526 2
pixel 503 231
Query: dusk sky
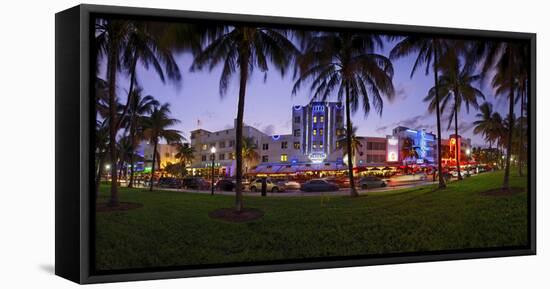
pixel 268 104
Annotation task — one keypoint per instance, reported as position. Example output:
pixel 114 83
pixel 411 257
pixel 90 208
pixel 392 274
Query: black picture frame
pixel 74 220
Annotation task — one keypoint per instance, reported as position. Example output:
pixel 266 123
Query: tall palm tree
pixel 509 63
pixel 244 48
pixel 428 51
pixel 355 143
pixel 456 82
pixel 111 38
pixel 139 106
pixel 186 154
pixel 157 127
pixel 250 152
pixel 101 149
pixel 347 63
pixel 144 46
pixel 124 43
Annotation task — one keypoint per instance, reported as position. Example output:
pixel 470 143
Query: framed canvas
pixel 195 144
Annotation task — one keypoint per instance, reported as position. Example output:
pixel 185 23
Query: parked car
pixel 319 185
pixel 408 178
pixel 371 182
pixel 256 185
pixel 290 185
pixel 342 182
pixel 172 183
pixel 455 174
pixel 195 183
pixel 225 185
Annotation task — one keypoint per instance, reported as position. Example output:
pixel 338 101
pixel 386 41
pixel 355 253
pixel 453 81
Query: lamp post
pixel 213 156
pixel 468 160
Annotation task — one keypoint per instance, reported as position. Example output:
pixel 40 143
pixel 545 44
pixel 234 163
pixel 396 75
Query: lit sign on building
pixel 392 149
pixel 317 158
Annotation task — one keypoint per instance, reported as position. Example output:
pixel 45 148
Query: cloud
pixel 268 129
pixel 415 122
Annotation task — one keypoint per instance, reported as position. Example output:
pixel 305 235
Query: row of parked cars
pixel 272 185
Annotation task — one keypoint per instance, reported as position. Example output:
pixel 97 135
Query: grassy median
pixel 173 228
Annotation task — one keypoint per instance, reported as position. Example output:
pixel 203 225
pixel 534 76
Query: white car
pixel 408 178
pixel 256 186
pixel 290 185
pixel 455 174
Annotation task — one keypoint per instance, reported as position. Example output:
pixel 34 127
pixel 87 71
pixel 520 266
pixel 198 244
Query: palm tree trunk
pixel 457 155
pixel 442 184
pixel 130 89
pixel 353 190
pixel 506 181
pixel 99 172
pixel 153 165
pixel 243 65
pixel 520 149
pixel 112 69
pixel 131 181
pixel 133 145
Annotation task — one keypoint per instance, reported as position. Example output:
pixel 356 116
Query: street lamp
pixel 468 160
pixel 213 152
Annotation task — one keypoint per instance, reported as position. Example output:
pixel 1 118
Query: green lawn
pixel 173 228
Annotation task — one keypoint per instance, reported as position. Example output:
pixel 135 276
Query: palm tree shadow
pixel 48 268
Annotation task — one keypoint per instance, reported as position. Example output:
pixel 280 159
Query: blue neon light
pixel 276 137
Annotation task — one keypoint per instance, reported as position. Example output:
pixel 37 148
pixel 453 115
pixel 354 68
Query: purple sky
pixel 268 105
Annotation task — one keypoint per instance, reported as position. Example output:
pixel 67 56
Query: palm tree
pixel 143 46
pixel 157 127
pixel 347 63
pixel 124 43
pixel 509 62
pixel 139 107
pixel 186 154
pixel 489 124
pixel 101 145
pixel 455 83
pixel 428 51
pixel 250 153
pixel 355 143
pixel 111 38
pixel 244 48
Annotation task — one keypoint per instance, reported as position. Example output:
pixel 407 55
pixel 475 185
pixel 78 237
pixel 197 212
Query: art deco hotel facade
pixel 312 146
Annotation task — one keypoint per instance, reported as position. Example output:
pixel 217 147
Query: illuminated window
pixel 231 156
pixel 315 119
pixel 322 119
pixel 284 158
pixel 320 145
pixel 296 145
pixel 314 145
pixel 314 132
pixel 204 147
pixel 320 131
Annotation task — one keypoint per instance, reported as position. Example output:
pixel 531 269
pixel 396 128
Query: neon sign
pixel 317 158
pixel 392 149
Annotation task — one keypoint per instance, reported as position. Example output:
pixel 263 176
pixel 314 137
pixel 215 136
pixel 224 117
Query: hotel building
pixel 312 146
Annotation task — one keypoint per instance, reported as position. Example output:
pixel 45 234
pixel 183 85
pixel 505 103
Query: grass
pixel 173 228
